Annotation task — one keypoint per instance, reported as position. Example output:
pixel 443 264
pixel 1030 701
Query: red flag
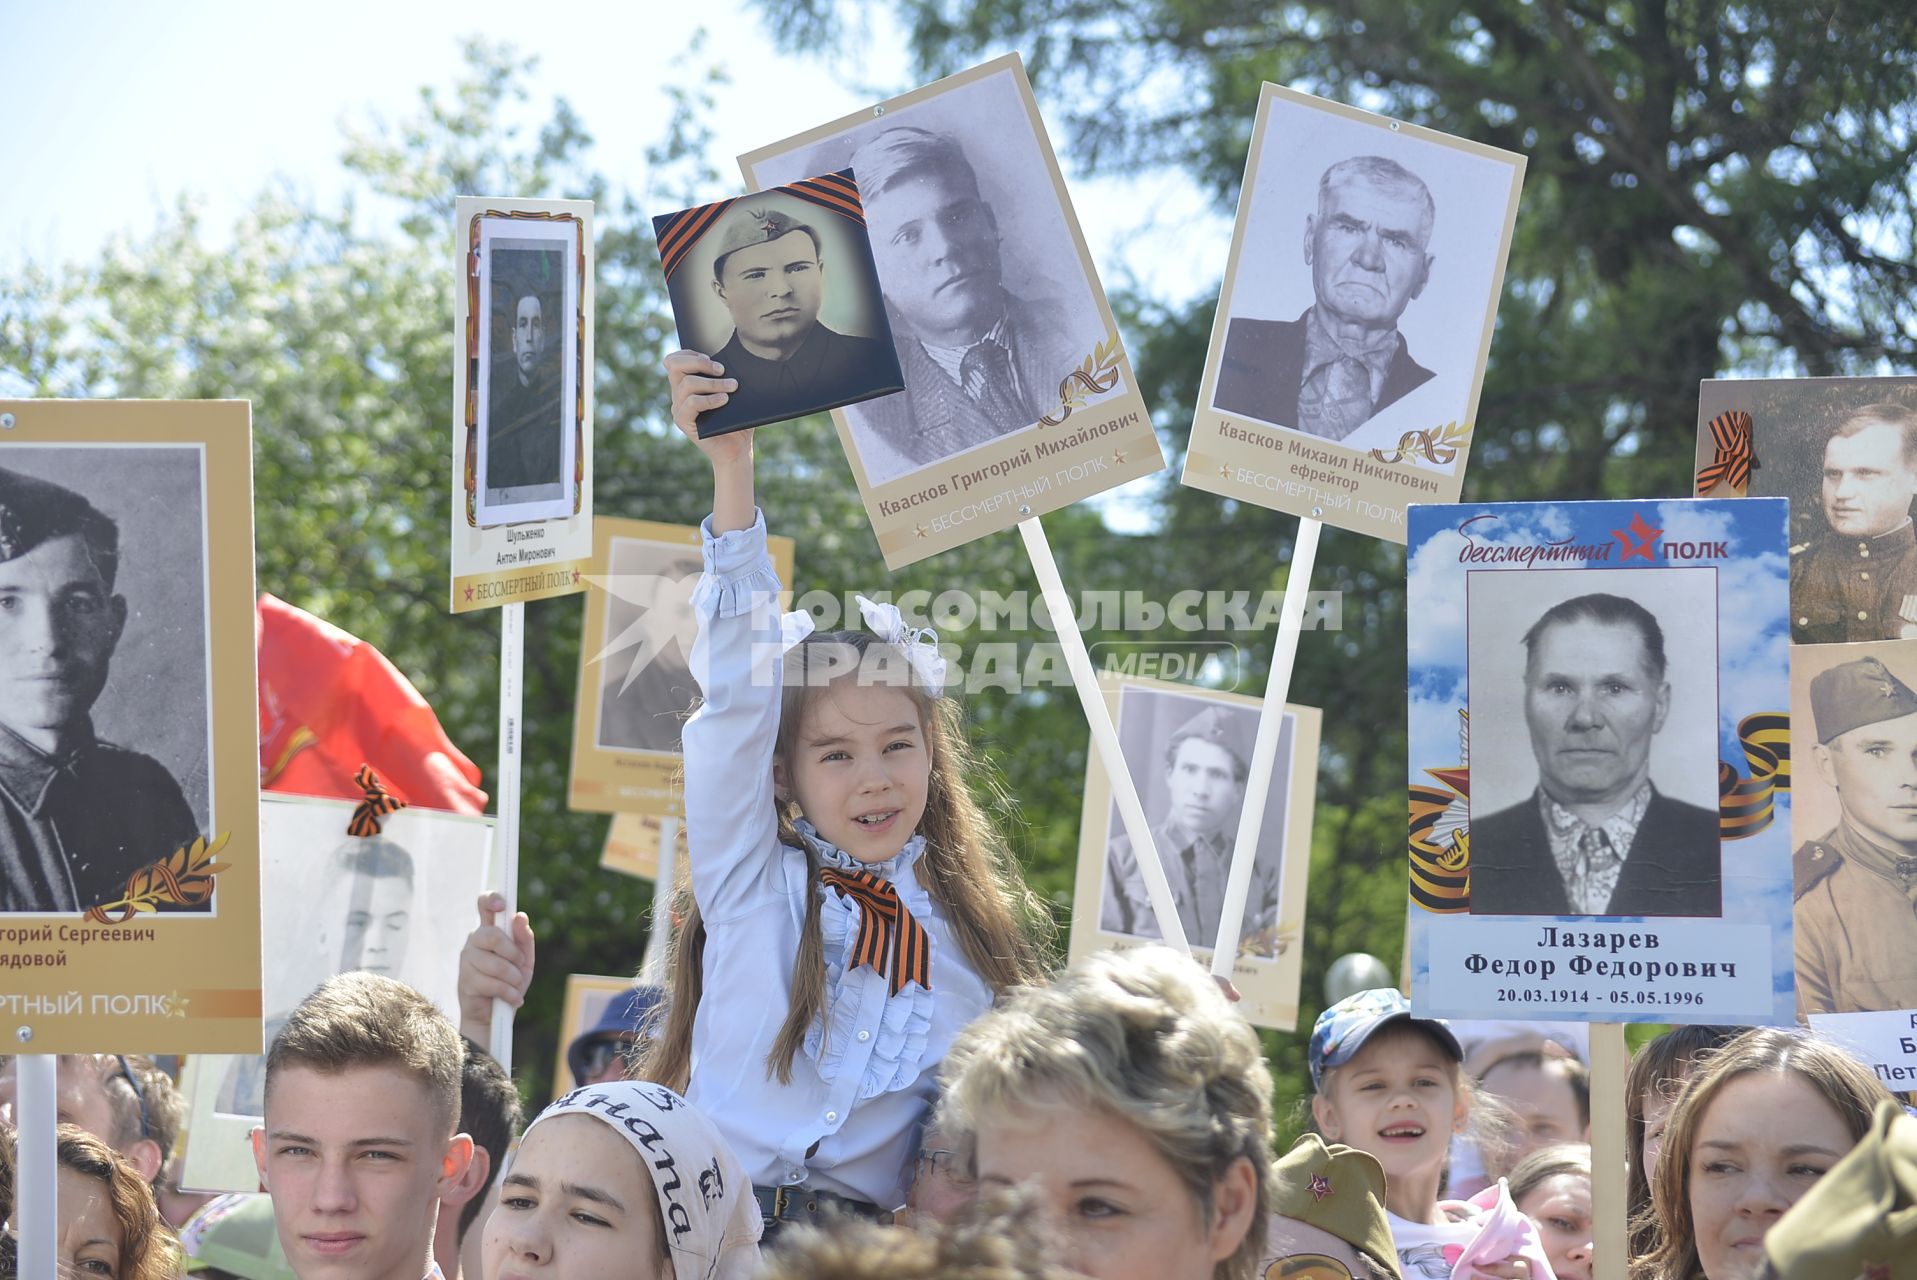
pixel 330 702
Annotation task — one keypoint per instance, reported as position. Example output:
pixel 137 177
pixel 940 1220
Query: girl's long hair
pixel 966 868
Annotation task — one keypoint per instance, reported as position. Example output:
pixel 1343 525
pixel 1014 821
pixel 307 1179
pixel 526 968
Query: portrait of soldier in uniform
pixel 1343 359
pixel 1205 763
pixel 1596 836
pixel 771 275
pixel 78 816
pixel 645 711
pixel 525 429
pixel 1857 578
pixel 980 360
pixel 1855 887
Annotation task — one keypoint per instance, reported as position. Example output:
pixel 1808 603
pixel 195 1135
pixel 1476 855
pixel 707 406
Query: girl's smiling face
pixel 860 767
pixel 1397 1099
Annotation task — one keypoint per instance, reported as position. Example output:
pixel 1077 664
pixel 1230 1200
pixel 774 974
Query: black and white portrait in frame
pixel 645 709
pixel 528 370
pixel 1593 711
pixel 105 678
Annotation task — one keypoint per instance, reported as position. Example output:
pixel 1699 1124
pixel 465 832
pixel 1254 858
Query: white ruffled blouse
pixel 848 1122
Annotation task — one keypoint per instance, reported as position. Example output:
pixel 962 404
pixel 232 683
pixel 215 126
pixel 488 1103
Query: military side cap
pixel 33 511
pixel 748 227
pixel 1855 694
pixel 1860 1219
pixel 1337 1189
pixel 1222 726
pixel 236 1235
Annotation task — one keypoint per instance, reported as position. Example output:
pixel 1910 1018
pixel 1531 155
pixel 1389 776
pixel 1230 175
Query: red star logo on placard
pixel 1639 538
pixel 575 577
pixel 1320 1186
pixel 469 593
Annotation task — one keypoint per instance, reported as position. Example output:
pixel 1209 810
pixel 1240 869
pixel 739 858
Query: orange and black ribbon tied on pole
pixel 890 940
pixel 379 803
pixel 1731 437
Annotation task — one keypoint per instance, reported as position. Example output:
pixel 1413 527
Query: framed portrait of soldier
pixel 635 685
pixel 1355 319
pixel 779 286
pixel 1018 397
pixel 397 902
pixel 1189 752
pixel 522 437
pixel 588 996
pixel 1599 735
pixel 1844 451
pixel 1854 837
pixel 129 838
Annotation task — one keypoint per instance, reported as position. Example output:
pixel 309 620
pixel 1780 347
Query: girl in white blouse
pixel 852 905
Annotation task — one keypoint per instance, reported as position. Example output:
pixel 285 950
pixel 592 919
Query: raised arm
pixel 731 833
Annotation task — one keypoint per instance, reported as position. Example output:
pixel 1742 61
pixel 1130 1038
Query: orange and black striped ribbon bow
pixel 379 802
pixel 1731 437
pixel 890 940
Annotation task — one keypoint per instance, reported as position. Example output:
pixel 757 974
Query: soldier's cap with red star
pixel 1860 1220
pixel 1338 1189
pixel 1226 727
pixel 745 227
pixel 1854 694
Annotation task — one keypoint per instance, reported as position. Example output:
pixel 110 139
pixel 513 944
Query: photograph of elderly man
pixel 1596 837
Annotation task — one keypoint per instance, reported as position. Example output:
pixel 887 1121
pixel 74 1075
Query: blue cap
pixel 1343 1029
pixel 625 1017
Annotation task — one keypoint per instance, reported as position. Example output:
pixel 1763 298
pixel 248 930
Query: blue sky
pixel 135 104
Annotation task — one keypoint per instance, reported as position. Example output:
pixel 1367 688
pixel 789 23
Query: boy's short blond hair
pixel 370 1020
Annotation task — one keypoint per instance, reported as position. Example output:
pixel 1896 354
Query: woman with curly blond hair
pixel 1137 1106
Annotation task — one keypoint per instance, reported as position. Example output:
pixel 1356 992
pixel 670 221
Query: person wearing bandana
pixel 1856 886
pixel 1334 367
pixel 770 274
pixel 78 816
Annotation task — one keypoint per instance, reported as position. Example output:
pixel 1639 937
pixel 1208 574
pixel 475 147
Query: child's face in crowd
pixel 1397 1099
pixel 576 1204
pixel 860 767
pixel 1561 1206
pixel 356 1161
pixel 1759 1145
pixel 1120 1210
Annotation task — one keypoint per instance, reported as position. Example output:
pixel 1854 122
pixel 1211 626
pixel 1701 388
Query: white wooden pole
pixel 37 1168
pixel 512 667
pixel 1264 750
pixel 1610 1210
pixel 1104 736
pixel 665 885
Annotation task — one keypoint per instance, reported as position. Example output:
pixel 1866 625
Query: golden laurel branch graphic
pixel 1096 376
pixel 184 879
pixel 1440 445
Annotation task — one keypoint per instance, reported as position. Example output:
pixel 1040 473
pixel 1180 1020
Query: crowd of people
pixel 861 1066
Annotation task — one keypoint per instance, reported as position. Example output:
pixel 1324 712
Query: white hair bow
pixel 920 645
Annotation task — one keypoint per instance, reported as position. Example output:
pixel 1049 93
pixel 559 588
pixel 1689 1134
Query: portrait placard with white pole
pixel 1606 720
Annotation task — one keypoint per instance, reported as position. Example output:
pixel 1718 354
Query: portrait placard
pixel 1019 398
pixel 1844 451
pixel 587 997
pixel 780 288
pixel 522 401
pixel 1599 762
pixel 1355 319
pixel 129 726
pixel 633 843
pixel 397 903
pixel 1188 749
pixel 1854 825
pixel 635 679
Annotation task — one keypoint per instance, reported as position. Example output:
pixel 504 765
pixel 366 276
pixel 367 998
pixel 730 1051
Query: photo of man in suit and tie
pixel 1596 836
pixel 1343 359
pixel 980 360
